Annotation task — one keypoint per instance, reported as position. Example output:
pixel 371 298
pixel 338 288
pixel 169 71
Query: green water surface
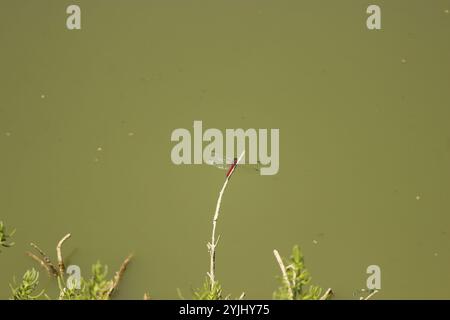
pixel 86 117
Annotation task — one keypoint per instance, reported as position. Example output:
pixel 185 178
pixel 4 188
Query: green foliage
pixel 97 287
pixel 26 289
pixel 4 236
pixel 209 291
pixel 71 294
pixel 298 277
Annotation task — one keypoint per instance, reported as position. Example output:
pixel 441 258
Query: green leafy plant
pixel 209 291
pixel 26 289
pixel 295 281
pixel 97 287
pixel 295 278
pixel 4 236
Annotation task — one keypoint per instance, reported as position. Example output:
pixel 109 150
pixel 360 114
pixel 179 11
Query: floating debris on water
pixel 315 241
pixel 99 149
pixel 417 197
pixel 96 160
pixel 446 11
pixel 403 60
pixel 435 254
pixel 130 134
pixel 7 133
pixel 42 96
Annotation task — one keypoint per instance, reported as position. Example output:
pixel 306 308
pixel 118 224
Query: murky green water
pixel 86 118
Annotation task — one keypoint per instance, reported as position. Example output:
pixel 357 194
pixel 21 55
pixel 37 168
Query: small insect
pixel 230 164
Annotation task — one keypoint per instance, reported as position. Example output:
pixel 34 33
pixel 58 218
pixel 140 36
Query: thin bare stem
pixel 41 262
pixel 284 273
pixel 327 294
pixel 119 275
pixel 58 253
pixel 370 295
pixel 46 259
pixel 213 244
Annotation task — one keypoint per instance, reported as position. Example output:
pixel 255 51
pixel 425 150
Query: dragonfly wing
pixel 224 163
pixel 216 162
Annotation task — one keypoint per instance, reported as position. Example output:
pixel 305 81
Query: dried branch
pixel 58 253
pixel 284 273
pixel 41 262
pixel 118 276
pixel 213 244
pixel 328 294
pixel 46 259
pixel 370 295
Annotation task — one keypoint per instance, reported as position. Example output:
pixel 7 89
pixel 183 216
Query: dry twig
pixel 59 255
pixel 45 259
pixel 213 244
pixel 369 296
pixel 284 273
pixel 118 276
pixel 41 262
pixel 327 294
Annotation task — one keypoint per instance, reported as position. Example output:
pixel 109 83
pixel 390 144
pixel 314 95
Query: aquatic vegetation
pixel 294 280
pixel 213 291
pixel 97 287
pixel 295 283
pixel 4 236
pixel 295 277
pixel 26 289
pixel 209 291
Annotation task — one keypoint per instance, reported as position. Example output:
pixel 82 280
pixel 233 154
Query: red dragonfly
pixel 232 167
pixel 229 164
